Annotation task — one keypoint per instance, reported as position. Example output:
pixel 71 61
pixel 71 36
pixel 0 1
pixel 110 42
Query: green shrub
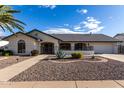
pixel 1 52
pixel 34 52
pixel 77 55
pixel 93 57
pixel 60 54
pixel 7 53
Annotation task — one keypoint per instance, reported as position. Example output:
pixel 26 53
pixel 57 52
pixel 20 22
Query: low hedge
pixel 7 53
pixel 77 55
pixel 34 52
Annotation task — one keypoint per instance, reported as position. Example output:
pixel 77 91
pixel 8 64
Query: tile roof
pixel 85 37
pixel 23 34
pixel 75 37
pixel 120 36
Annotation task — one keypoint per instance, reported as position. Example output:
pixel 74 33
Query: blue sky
pixel 108 20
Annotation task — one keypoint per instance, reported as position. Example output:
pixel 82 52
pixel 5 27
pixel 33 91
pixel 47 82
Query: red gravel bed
pixel 49 71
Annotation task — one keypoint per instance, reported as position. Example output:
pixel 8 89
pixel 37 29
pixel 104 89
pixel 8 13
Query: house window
pixel 65 46
pixel 21 46
pixel 80 46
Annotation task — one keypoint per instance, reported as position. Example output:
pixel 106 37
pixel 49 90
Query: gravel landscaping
pixel 48 71
pixel 12 60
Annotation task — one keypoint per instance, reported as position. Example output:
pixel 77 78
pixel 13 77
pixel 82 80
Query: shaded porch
pixel 67 47
pixel 47 48
pixel 71 47
pixel 76 46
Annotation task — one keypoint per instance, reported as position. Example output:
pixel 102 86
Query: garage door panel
pixel 103 49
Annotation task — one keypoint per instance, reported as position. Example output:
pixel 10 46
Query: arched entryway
pixel 47 48
pixel 21 46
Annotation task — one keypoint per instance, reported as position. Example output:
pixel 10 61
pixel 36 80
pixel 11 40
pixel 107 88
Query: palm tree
pixel 7 20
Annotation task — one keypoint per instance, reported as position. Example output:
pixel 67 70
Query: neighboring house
pixel 121 44
pixel 120 37
pixel 1 37
pixel 23 43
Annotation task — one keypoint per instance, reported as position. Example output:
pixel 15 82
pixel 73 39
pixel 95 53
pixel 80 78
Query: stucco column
pixel 115 46
pixel 39 47
pixel 72 46
pixel 56 47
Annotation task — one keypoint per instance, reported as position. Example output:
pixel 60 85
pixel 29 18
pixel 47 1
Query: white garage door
pixel 108 49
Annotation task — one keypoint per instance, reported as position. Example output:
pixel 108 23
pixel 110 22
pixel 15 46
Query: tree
pixel 8 21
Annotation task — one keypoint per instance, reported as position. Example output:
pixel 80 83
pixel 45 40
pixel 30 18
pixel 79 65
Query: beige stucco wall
pixel 13 41
pixel 46 38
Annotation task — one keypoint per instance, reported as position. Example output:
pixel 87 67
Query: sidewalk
pixel 64 84
pixel 117 57
pixel 13 70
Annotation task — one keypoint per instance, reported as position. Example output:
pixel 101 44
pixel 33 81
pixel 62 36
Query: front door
pixel 47 48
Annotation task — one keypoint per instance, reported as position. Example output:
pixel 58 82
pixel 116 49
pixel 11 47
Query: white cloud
pixel 95 30
pixel 61 31
pixel 77 27
pixel 89 25
pixel 48 6
pixel 84 27
pixel 82 11
pixel 66 24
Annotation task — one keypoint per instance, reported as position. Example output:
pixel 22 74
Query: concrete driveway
pixel 118 57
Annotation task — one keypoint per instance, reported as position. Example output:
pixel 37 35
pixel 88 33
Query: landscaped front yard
pixel 78 70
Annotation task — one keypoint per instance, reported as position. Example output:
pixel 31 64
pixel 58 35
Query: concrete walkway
pixel 117 57
pixel 13 70
pixel 64 84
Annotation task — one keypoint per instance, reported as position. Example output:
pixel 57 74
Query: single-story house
pixel 23 43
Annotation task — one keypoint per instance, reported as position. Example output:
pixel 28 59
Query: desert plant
pixel 77 55
pixel 34 52
pixel 93 57
pixel 60 54
pixel 7 53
